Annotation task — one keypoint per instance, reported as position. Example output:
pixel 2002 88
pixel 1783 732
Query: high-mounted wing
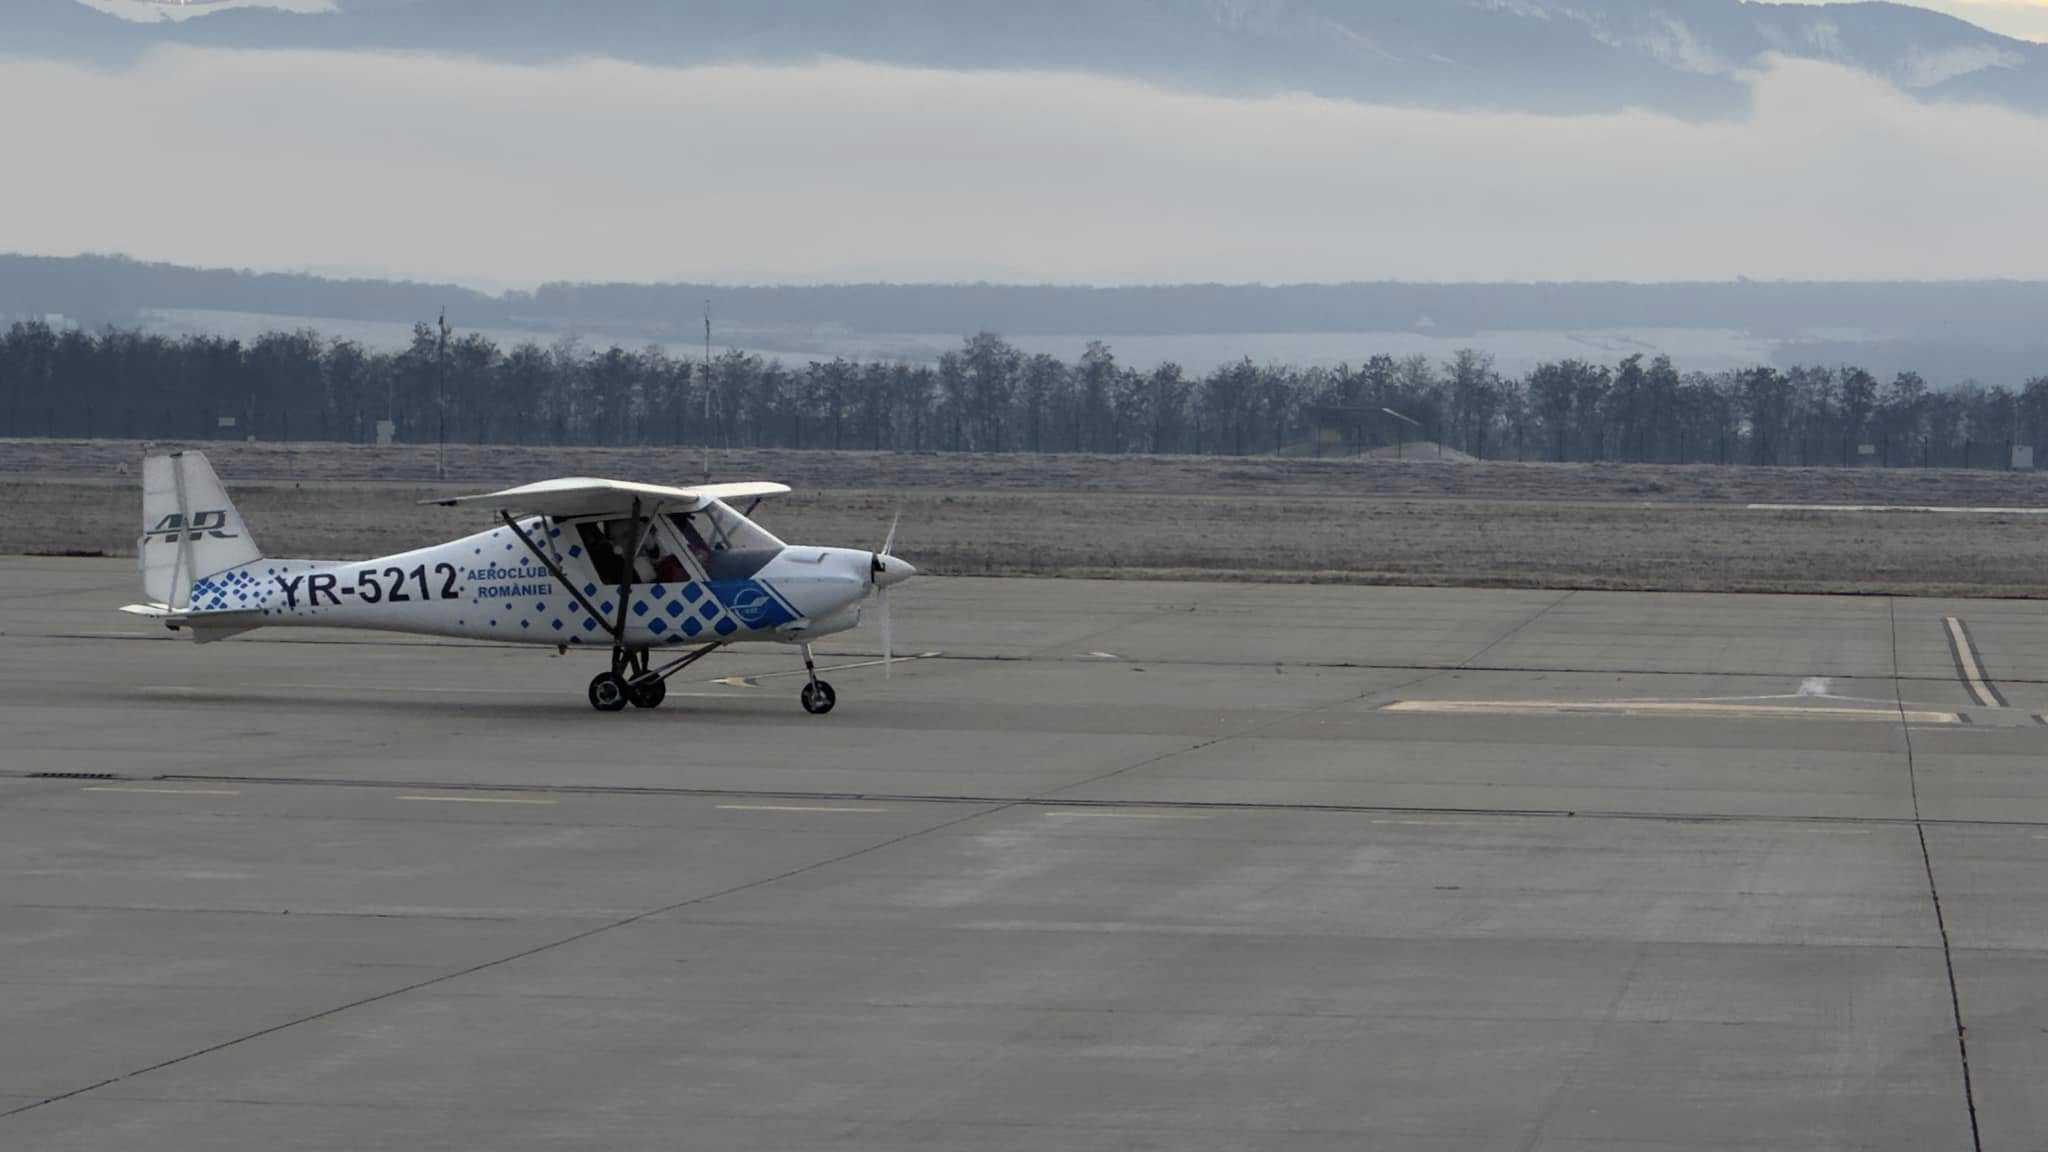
pixel 589 496
pixel 744 490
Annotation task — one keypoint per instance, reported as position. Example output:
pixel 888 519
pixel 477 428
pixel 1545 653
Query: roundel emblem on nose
pixel 750 604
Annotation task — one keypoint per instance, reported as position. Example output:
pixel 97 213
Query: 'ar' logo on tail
pixel 212 523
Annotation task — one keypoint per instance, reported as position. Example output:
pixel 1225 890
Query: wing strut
pixel 562 579
pixel 626 577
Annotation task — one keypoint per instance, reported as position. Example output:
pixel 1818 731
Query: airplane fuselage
pixel 491 586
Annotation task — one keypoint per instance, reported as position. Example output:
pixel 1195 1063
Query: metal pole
pixel 441 398
pixel 707 390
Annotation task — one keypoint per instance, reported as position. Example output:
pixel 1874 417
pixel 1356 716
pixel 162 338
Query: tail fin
pixel 190 529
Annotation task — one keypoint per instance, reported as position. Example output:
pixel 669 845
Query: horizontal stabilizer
pixel 203 627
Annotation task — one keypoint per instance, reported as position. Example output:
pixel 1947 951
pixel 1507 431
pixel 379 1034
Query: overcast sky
pixel 503 175
pixel 2027 18
pixel 2024 18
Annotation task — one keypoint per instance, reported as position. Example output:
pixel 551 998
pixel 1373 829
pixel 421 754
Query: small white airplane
pixel 636 568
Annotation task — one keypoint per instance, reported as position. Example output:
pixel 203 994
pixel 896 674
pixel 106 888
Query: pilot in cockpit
pixel 694 538
pixel 622 535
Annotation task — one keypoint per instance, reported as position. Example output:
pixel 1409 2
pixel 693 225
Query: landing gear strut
pixel 817 696
pixel 644 688
pixel 634 680
pixel 647 693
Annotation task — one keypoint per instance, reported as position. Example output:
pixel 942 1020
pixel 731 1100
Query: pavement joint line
pixel 483 966
pixel 199 910
pixel 1313 665
pixel 1252 806
pixel 162 791
pixel 1948 959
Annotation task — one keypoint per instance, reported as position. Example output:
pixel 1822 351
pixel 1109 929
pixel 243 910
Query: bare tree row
pixel 988 396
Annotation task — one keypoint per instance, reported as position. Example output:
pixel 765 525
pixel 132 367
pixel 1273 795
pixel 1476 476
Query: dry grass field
pixel 1376 521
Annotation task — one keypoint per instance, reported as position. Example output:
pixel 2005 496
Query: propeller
pixel 878 567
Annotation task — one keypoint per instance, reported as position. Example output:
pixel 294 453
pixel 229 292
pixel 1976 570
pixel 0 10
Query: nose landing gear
pixel 817 696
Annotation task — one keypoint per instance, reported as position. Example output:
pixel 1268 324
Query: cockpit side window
pixel 604 558
pixel 727 545
pixel 607 542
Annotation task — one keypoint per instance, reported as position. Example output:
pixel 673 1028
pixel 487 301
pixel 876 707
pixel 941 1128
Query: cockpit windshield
pixel 736 531
pixel 726 544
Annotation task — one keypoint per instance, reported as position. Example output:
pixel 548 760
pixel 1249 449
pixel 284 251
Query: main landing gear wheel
pixel 608 692
pixel 647 693
pixel 818 698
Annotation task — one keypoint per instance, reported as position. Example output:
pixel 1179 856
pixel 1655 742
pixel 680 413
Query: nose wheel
pixel 817 696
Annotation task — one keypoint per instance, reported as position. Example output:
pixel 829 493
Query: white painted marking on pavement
pixel 1973 673
pixel 163 791
pixel 792 808
pixel 753 681
pixel 478 800
pixel 389 689
pixel 1897 508
pixel 1131 815
pixel 1660 708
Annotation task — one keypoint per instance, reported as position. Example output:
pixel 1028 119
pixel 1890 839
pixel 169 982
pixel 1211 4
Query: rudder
pixel 190 529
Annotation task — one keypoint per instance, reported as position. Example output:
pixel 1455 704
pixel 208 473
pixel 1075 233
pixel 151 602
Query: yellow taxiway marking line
pixel 1966 662
pixel 1131 815
pixel 164 791
pixel 1662 708
pixel 479 799
pixel 792 808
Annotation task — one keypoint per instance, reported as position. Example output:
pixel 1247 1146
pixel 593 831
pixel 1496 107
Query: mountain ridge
pixel 1685 57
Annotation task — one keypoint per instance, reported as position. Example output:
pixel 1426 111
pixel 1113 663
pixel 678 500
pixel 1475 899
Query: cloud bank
pixel 597 170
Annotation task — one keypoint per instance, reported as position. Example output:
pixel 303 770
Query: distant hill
pixel 1687 57
pixel 1991 331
